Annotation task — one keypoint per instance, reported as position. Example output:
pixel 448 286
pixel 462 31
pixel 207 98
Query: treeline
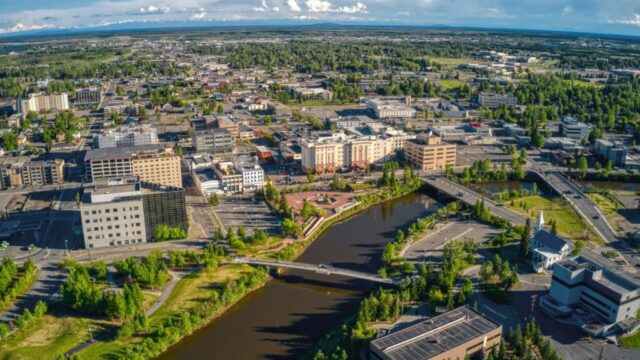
pixel 150 271
pixel 165 232
pixel 173 328
pixel 410 180
pixel 15 281
pixel 85 295
pixel 210 257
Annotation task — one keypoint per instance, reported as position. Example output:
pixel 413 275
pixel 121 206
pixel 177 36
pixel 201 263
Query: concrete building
pixel 214 141
pixel 428 152
pixel 91 96
pixel 122 107
pixel 21 171
pixel 387 108
pixel 152 163
pixel 493 100
pixel 252 175
pixel 125 211
pixel 457 334
pixel 546 248
pixel 614 151
pixel 206 180
pixel 593 283
pixel 572 128
pixel 231 178
pixel 42 102
pixel 126 136
pixel 312 93
pixel 328 152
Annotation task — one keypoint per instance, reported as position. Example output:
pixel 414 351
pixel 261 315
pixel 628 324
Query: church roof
pixel 549 240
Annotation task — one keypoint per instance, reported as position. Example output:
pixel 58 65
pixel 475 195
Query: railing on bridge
pixel 320 269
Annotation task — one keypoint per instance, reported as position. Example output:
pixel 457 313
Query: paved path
pixel 176 276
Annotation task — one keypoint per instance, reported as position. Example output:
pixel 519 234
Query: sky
pixel 600 16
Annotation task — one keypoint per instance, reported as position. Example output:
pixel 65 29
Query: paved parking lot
pixel 430 247
pixel 235 211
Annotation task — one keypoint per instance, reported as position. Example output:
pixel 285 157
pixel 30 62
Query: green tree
pixel 525 240
pixel 582 166
pixel 213 200
pixel 310 176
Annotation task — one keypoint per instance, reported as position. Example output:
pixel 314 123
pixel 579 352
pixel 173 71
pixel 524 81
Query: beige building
pixel 326 154
pixel 152 163
pixel 41 102
pixel 457 334
pixel 21 171
pixel 428 152
pixel 113 214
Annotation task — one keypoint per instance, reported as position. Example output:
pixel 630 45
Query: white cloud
pixel 635 20
pixel 152 10
pixel 293 5
pixel 357 8
pixel 567 10
pixel 200 15
pixel 318 5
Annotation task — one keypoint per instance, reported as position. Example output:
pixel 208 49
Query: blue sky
pixel 607 16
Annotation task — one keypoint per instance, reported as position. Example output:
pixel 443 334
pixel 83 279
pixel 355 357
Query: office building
pixel 21 171
pixel 210 122
pixel 206 180
pixel 152 163
pixel 232 179
pixel 572 128
pixel 615 151
pixel 121 107
pixel 457 334
pixel 252 175
pixel 92 96
pixel 42 102
pixel 126 136
pixel 428 152
pixel 214 141
pixel 391 108
pixel 596 285
pixel 493 100
pixel 124 211
pixel 311 93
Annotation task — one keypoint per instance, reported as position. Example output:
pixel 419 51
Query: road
pixel 470 197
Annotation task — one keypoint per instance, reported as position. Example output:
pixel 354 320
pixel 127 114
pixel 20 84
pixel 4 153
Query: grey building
pixel 493 100
pixel 215 141
pixel 572 128
pixel 595 284
pixel 614 151
pixel 91 96
pixel 21 171
pixel 126 136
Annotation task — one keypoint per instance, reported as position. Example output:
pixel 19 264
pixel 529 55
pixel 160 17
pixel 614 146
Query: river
pixel 287 317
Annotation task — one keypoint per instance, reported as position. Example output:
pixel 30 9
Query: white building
pixel 546 248
pixel 594 284
pixel 572 128
pixel 252 175
pixel 383 109
pixel 127 136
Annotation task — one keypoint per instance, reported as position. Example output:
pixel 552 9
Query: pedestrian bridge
pixel 319 269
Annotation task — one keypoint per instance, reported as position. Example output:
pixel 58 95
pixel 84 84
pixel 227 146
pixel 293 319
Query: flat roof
pixel 435 336
pixel 119 152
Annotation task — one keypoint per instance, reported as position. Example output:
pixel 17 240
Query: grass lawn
pixel 569 222
pixel 609 209
pixel 631 341
pixel 187 293
pixel 48 338
pixel 451 83
pixel 451 61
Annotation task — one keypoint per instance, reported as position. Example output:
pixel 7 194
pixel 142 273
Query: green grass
pixel 48 338
pixel 189 292
pixel 568 221
pixel 451 83
pixel 631 341
pixel 582 83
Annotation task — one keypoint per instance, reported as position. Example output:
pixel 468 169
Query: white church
pixel 546 248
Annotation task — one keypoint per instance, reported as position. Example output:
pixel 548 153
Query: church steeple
pixel 540 222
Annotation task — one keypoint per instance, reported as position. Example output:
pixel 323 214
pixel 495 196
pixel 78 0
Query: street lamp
pixel 66 248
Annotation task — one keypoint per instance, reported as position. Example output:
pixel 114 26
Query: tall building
pixel 127 136
pixel 594 284
pixel 614 151
pixel 327 153
pixel 215 141
pixel 42 102
pixel 457 334
pixel 123 211
pixel 428 152
pixel 493 100
pixel 152 163
pixel 572 128
pixel 91 96
pixel 18 172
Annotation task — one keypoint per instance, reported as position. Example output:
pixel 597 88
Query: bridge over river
pixel 320 269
